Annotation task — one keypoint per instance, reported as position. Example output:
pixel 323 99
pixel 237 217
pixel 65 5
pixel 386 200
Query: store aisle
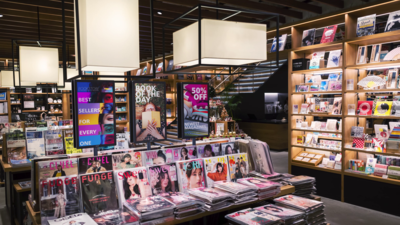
pixel 339 213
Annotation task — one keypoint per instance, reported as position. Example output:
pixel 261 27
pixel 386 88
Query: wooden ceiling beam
pixel 297 5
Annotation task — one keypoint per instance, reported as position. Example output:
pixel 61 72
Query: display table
pixel 285 190
pixel 12 174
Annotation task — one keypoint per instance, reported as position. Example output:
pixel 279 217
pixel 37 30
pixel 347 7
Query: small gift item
pixel 50 100
pixel 59 101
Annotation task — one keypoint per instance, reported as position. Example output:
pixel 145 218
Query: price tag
pixel 385 176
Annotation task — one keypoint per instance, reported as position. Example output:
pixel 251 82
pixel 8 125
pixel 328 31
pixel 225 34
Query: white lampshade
pixel 222 43
pixel 38 64
pixel 7 78
pixel 109 35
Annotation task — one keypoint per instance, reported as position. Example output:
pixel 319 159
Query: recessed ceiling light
pixel 1 15
pixel 159 13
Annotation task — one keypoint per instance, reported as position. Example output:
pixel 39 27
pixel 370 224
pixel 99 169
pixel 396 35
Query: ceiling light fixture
pixel 159 13
pixel 1 15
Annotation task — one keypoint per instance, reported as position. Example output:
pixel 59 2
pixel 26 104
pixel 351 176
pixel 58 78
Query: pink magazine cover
pixel 187 152
pixel 261 184
pixel 127 160
pixel 163 178
pixel 279 211
pixel 253 217
pixel 191 174
pixel 298 202
pixel 161 156
pixel 209 193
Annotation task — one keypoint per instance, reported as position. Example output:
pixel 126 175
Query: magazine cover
pixel 178 198
pixel 127 160
pixel 75 219
pixel 161 156
pixel 329 34
pixel 259 183
pixel 298 202
pixel 279 211
pixel 238 166
pixel 282 43
pixel 149 113
pixel 69 142
pixel 35 144
pixel 228 148
pixel 95 164
pixel 187 152
pixel 393 22
pixel 57 168
pixel 366 25
pixel 308 37
pixel 59 197
pixel 117 217
pixel 251 216
pixel 122 141
pixel 149 204
pixel 132 184
pixel 98 192
pixel 191 174
pixel 16 150
pixel 54 142
pixel 163 178
pixel 216 170
pixel 210 150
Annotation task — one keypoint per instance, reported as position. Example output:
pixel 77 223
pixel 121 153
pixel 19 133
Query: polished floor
pixel 337 213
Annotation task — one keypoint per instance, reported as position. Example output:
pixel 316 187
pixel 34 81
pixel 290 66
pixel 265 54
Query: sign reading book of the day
pixel 193 106
pixel 94 113
pixel 148 111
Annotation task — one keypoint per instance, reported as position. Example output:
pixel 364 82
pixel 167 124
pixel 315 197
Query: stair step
pixel 173 138
pixel 248 87
pixel 172 131
pixel 241 92
pixel 253 78
pixel 242 84
pixel 258 74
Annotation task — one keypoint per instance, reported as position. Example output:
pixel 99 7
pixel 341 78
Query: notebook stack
pixel 304 185
pixel 185 205
pixel 266 188
pixel 254 217
pixel 242 193
pixel 314 210
pixel 214 199
pixel 289 216
pixel 150 208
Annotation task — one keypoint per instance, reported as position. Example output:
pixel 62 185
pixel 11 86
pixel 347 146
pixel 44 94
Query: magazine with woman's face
pixel 58 168
pixel 115 217
pixel 229 148
pixel 59 197
pixel 209 150
pixel 127 160
pixel 216 169
pixel 251 216
pixel 132 184
pixel 258 182
pixel 279 211
pixel 178 198
pixel 163 178
pixel 95 164
pixel 149 204
pixel 191 174
pixel 209 193
pixel 299 202
pixel 238 166
pixel 188 152
pixel 161 156
pixel 150 111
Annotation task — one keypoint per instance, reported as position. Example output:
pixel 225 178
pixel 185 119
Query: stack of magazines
pixel 242 193
pixel 150 208
pixel 78 218
pixel 266 188
pixel 289 216
pixel 185 205
pixel 314 210
pixel 304 185
pixel 268 176
pixel 124 216
pixel 214 199
pixel 254 217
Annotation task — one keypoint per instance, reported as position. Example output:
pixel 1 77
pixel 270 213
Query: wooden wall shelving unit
pixel 339 184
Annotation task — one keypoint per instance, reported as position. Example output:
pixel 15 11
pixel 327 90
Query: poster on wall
pixel 94 113
pixel 193 104
pixel 148 109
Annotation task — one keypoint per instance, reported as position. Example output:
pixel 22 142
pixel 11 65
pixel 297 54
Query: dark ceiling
pixel 21 18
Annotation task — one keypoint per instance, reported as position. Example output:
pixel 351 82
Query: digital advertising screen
pixel 94 113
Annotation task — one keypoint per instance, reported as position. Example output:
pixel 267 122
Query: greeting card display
pixel 163 178
pixel 364 108
pixel 193 105
pixel 94 113
pixel 161 156
pixel 191 174
pixel 95 164
pixel 216 170
pixel 148 117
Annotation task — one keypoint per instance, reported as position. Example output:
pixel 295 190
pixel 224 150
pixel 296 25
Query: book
pixel 334 58
pixel 78 218
pixel 94 164
pixel 228 148
pixel 308 37
pixel 57 168
pixel 170 65
pixel 209 150
pixel 329 34
pixel 361 55
pixel 127 160
pixel 364 108
pixel 25 184
pixel 315 60
pixel 254 217
pixel 3 96
pixel 238 166
pixel 282 43
pixel 160 157
pixel 35 144
pixel 163 178
pixel 216 170
pixel 191 174
pixel 393 22
pixel 59 197
pixel 160 67
pixel 132 184
pixel 366 25
pixel 98 192
pixel 394 172
pixel 139 72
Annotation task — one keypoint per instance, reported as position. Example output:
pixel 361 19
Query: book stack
pixel 214 199
pixel 304 185
pixel 243 193
pixel 150 208
pixel 185 205
pixel 314 210
pixel 266 188
pixel 289 216
pixel 251 216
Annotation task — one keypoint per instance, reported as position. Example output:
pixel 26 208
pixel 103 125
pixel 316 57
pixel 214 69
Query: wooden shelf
pixel 34 111
pixel 330 138
pixel 335 45
pixel 121 112
pixel 318 115
pixel 317 71
pixel 121 122
pixel 374 178
pixel 373 117
pixel 317 131
pixel 388 64
pixel 2 114
pixel 36 93
pixel 15 103
pixel 55 113
pixel 315 148
pixel 388 152
pixel 373 91
pixel 375 38
pixel 3 101
pixel 317 93
pixel 54 103
pixel 121 93
pixel 316 167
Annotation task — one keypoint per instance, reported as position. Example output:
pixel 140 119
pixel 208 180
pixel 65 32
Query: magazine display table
pixel 285 190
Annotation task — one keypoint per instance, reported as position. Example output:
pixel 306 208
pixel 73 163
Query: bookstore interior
pixel 155 117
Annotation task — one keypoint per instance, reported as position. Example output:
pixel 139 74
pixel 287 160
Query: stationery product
pixel 381 131
pixel 383 108
pixel 334 58
pixel 324 85
pixel 366 25
pixel 191 174
pixel 303 88
pixel 364 108
pixel 358 143
pixel 392 125
pixel 315 60
pixel 333 77
pixel 308 37
pixel 394 172
pixel 393 21
pixel 375 53
pixel 331 125
pixel 357 132
pixel 395 108
pixel 361 55
pixel 335 86
pixel 314 87
pixel 392 79
pixel 370 166
pixel 349 84
pixel 304 109
pixel 351 109
pixel 329 34
pixel 380 170
pixel 337 106
pixel 282 43
pixel 158 175
pixel 296 109
pixel 216 169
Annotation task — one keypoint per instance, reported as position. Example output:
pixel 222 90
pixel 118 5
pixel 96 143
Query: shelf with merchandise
pixel 373 117
pixel 374 91
pixel 317 131
pixel 294 163
pixel 317 93
pixel 316 148
pixel 375 38
pixel 335 45
pixel 318 71
pixel 318 115
pixel 392 152
pixel 374 66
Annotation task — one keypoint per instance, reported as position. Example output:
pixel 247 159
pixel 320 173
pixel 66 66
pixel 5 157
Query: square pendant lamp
pixel 107 35
pixel 38 64
pixel 225 43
